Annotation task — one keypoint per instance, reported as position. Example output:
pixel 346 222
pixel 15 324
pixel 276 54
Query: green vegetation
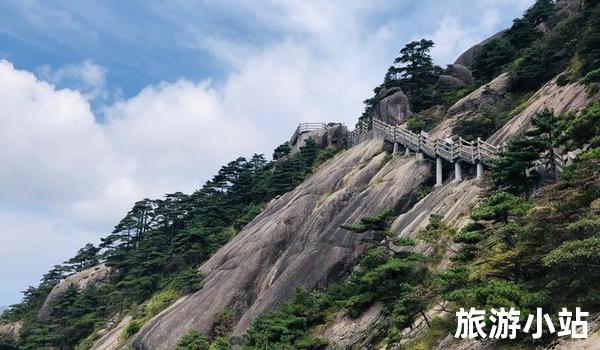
pixel 156 249
pixel 193 340
pixel 149 309
pixel 532 253
pixel 491 117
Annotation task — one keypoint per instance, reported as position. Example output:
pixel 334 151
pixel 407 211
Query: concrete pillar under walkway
pixel 479 170
pixel 407 151
pixel 438 171
pixel 395 151
pixel 420 155
pixel 457 171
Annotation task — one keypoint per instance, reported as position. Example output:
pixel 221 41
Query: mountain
pixel 369 239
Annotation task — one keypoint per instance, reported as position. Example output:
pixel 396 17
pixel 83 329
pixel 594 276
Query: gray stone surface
pixel 560 99
pixel 11 329
pixel 94 275
pixel 461 72
pixel 296 241
pixel 471 105
pixel 452 201
pixel 335 134
pixel 356 333
pixel 394 107
pixel 110 337
pixel 451 81
pixel 467 58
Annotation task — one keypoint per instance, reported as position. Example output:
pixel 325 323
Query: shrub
pixel 192 340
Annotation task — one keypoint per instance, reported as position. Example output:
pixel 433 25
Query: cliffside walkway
pixel 306 127
pixel 453 149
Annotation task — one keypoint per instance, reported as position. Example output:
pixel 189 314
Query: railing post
pixel 457 171
pixel 479 170
pixel 438 171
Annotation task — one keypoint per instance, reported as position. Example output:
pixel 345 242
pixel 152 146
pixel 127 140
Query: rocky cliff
pixel 296 241
pixel 94 275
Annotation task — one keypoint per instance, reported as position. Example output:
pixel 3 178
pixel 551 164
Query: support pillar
pixel 395 151
pixel 457 171
pixel 407 151
pixel 438 171
pixel 420 155
pixel 479 170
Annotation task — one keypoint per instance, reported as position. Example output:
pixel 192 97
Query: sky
pixel 106 102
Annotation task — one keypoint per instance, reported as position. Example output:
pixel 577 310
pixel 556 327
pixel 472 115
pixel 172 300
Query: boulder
pixel 295 241
pixel 461 72
pixel 486 94
pixel 334 134
pixel 356 333
pixel 451 81
pixel 93 276
pixel 467 58
pixel 393 107
pixel 11 330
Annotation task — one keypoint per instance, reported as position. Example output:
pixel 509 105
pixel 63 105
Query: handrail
pixel 452 148
pixel 306 127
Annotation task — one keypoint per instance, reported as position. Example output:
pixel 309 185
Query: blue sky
pixel 106 102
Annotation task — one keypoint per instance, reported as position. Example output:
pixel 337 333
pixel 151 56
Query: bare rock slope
pixel 94 275
pixel 296 241
pixel 560 99
pixel 451 201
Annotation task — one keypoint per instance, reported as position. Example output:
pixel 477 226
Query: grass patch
pixel 159 301
pixel 430 337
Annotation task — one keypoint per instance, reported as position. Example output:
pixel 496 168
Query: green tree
pixel 509 170
pixel 86 257
pixel 494 55
pixel 192 340
pixel 417 74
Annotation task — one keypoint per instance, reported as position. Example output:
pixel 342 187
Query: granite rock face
pixel 94 275
pixel 334 135
pixel 453 202
pixel 393 107
pixel 472 105
pixel 560 99
pixel 295 241
pixel 467 58
pixel 11 330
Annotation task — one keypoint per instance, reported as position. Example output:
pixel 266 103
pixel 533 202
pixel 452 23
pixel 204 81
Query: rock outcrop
pixel 357 333
pixel 467 58
pixel 295 241
pixel 94 275
pixel 110 337
pixel 11 330
pixel 335 134
pixel 560 99
pixel 393 107
pixel 452 201
pixel 472 104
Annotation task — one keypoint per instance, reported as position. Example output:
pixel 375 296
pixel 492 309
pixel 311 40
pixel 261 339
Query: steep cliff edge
pixel 296 241
pixel 451 201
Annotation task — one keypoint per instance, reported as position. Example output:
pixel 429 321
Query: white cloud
pixel 87 77
pixel 67 178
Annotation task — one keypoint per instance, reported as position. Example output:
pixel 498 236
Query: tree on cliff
pixel 416 73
